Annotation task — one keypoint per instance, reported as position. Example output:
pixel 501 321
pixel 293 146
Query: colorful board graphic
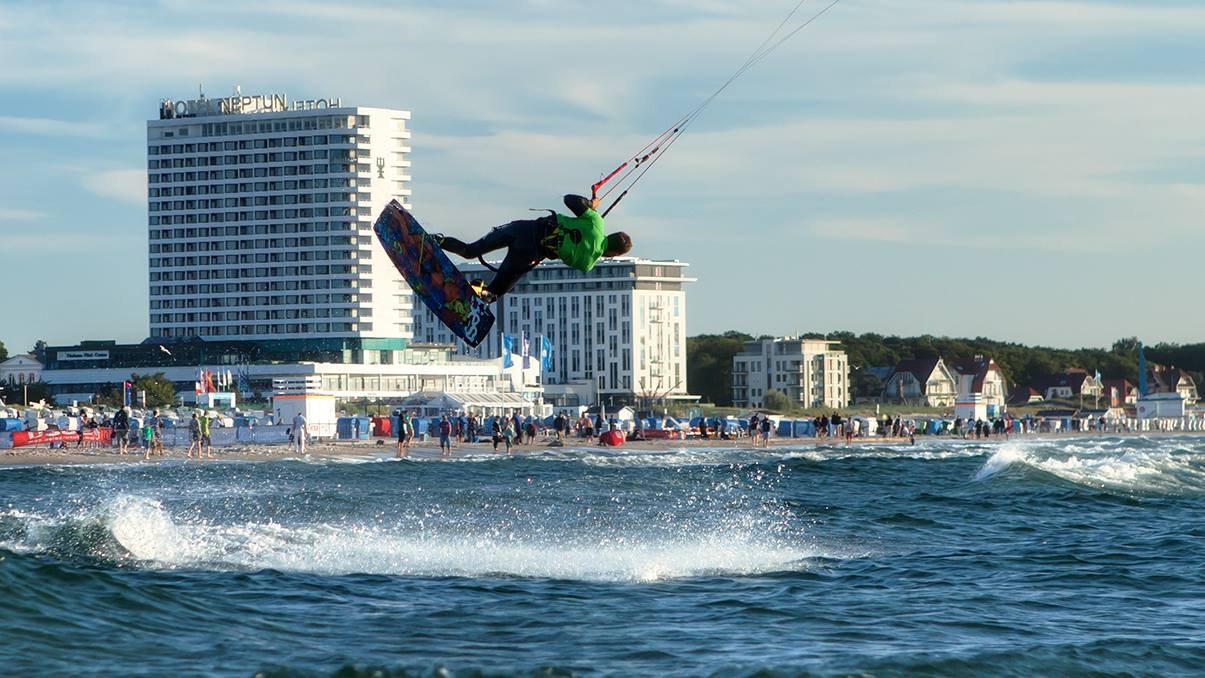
pixel 432 276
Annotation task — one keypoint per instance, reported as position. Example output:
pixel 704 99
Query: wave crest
pixel 1107 465
pixel 140 531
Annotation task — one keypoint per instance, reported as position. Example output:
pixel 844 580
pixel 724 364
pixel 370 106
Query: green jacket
pixel 579 240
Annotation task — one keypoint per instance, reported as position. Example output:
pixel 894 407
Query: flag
pixel 526 351
pixel 546 353
pixel 506 359
pixel 125 393
pixel 209 386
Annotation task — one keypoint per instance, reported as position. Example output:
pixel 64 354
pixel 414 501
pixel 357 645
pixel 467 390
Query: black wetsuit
pixel 527 243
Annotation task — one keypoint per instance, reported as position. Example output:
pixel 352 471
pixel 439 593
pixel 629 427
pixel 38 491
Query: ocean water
pixel 1026 557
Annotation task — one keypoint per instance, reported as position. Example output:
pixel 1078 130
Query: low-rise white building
pixel 418 368
pixel 981 382
pixel 924 382
pixel 810 372
pixel 21 369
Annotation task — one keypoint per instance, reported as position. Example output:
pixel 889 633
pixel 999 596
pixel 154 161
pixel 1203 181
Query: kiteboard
pixel 432 276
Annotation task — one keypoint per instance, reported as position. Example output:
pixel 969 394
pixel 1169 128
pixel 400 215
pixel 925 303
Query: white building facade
pixel 423 368
pixel 618 333
pixel 21 369
pixel 810 372
pixel 260 220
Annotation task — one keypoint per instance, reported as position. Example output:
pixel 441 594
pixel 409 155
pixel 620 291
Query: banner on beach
pixel 546 353
pixel 507 360
pixel 91 435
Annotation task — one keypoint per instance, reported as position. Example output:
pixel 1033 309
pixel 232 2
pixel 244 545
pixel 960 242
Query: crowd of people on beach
pixel 505 431
pixel 142 432
pixel 146 434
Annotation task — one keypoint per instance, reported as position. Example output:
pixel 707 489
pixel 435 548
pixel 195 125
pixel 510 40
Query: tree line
pixel 709 358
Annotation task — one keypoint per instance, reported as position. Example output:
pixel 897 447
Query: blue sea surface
pixel 1071 556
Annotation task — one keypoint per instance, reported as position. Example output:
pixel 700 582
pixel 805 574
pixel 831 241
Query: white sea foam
pixel 149 535
pixel 144 528
pixel 1107 464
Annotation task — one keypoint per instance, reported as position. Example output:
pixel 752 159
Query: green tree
pixel 865 384
pixel 709 364
pixel 160 391
pixel 776 401
pixel 111 396
pixel 3 352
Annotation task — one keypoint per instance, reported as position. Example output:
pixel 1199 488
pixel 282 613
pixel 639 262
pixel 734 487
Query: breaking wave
pixel 1136 466
pixel 140 532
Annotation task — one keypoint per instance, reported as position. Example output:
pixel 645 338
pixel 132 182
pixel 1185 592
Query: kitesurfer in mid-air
pixel 576 240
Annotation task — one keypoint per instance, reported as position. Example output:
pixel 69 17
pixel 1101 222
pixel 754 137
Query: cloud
pixel 50 127
pixel 879 230
pixel 60 241
pixel 19 215
pixel 124 185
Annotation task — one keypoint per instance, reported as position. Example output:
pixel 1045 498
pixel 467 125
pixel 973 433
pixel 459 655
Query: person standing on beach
pixel 445 436
pixel 508 434
pixel 299 433
pixel 206 441
pixel 403 428
pixel 157 426
pixel 121 430
pixel 517 422
pixel 496 433
pixel 765 431
pixel 194 437
pixel 83 421
pixel 754 426
pixel 148 437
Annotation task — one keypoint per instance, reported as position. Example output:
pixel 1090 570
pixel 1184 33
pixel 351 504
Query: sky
pixel 1021 170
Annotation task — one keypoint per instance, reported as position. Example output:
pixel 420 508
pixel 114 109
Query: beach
pixel 371 450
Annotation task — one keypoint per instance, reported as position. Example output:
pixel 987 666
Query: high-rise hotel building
pixel 260 221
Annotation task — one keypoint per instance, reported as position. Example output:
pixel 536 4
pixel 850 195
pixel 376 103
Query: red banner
pixel 103 436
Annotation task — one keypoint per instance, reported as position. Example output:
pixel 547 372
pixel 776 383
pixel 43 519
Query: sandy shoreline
pixel 369 450
pixel 350 450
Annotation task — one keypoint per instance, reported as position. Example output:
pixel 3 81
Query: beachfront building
pixel 80 372
pixel 924 382
pixel 1024 395
pixel 260 216
pixel 1161 379
pixel 981 383
pixel 1119 392
pixel 810 372
pixel 617 334
pixel 21 369
pixel 1071 383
